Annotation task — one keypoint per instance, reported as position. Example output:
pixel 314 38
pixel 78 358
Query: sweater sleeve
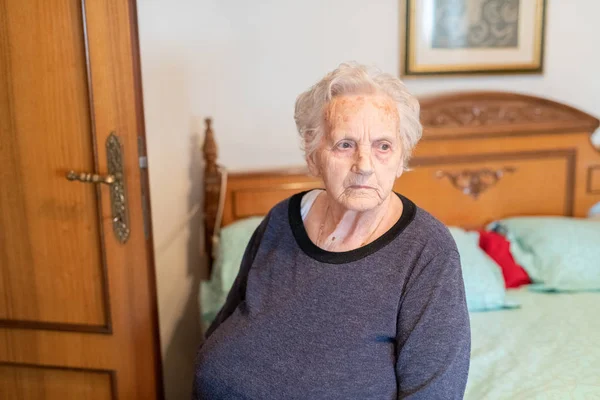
pixel 238 290
pixel 433 335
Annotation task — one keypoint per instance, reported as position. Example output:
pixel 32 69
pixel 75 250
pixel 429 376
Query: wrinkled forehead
pixel 373 109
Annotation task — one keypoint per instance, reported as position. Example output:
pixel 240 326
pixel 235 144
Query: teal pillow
pixel 233 240
pixel 594 212
pixel 558 253
pixel 484 283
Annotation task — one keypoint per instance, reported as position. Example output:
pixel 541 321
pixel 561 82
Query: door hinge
pixel 143 161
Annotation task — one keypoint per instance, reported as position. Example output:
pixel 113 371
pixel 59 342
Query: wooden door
pixel 77 306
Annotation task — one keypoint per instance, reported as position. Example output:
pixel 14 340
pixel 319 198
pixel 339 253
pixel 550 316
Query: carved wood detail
pixel 474 182
pixel 493 113
pixel 212 185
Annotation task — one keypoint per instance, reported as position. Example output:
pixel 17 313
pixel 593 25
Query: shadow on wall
pixel 178 361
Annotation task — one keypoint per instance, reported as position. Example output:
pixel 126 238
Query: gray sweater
pixel 388 320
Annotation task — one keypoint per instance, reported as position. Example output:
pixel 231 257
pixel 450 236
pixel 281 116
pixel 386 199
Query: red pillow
pixel 498 248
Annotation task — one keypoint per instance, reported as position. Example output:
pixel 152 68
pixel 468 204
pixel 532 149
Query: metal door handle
pixel 115 179
pixel 88 177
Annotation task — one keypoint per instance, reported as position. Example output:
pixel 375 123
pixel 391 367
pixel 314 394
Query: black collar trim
pixel 329 257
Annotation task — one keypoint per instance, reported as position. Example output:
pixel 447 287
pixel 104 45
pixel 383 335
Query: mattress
pixel 549 348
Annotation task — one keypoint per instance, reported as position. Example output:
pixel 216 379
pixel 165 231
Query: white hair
pixel 348 79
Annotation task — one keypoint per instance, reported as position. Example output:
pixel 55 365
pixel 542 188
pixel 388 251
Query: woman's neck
pixel 341 229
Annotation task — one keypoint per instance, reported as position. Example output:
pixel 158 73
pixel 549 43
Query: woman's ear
pixel 312 165
pixel 400 168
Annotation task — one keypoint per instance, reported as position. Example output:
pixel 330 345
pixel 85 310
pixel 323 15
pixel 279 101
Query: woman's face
pixel 360 155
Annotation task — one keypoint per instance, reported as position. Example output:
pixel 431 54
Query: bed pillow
pixel 594 212
pixel 484 284
pixel 497 247
pixel 233 240
pixel 558 253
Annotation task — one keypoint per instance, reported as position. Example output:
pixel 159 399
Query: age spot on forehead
pixel 345 104
pixel 387 107
pixel 341 109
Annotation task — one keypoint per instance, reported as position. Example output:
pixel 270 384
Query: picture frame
pixel 465 37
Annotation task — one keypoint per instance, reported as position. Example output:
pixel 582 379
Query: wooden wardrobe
pixel 78 312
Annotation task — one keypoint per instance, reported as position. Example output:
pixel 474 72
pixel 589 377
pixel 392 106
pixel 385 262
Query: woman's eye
pixel 344 145
pixel 385 147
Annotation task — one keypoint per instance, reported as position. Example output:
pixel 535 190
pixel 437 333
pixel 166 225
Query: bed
pixel 549 348
pixel 484 156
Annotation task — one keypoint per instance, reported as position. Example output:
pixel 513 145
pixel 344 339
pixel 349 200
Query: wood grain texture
pixel 67 124
pixel 594 179
pixel 132 293
pixel 22 382
pixel 546 144
pixel 547 175
pixel 47 115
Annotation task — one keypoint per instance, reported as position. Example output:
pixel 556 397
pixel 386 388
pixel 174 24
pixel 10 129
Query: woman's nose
pixel 363 164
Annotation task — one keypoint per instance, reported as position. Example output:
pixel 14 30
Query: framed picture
pixel 473 37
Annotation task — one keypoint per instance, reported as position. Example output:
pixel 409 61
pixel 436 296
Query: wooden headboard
pixel 483 156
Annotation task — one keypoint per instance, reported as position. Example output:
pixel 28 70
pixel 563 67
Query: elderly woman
pixel 351 292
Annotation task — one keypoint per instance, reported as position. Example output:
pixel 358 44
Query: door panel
pixel 50 245
pixel 78 313
pixel 38 383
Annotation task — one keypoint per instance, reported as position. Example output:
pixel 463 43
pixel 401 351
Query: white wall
pixel 243 63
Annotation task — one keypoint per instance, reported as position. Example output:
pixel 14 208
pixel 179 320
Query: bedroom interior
pixel 525 163
pixel 223 61
pixel 142 142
